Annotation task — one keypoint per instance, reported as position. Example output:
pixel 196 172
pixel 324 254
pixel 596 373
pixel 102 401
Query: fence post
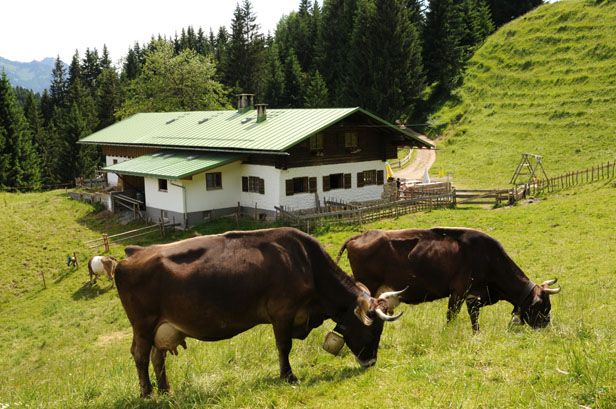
pixel 106 242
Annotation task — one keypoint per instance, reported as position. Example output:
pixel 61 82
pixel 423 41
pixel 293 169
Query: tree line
pixel 395 58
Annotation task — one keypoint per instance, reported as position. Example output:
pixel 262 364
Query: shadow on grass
pixel 190 396
pixel 335 374
pixel 89 291
pixel 64 273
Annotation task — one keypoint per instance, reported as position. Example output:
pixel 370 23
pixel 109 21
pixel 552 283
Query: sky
pixel 36 29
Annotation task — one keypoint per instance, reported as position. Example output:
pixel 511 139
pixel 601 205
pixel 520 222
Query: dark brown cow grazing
pixel 215 287
pixel 462 264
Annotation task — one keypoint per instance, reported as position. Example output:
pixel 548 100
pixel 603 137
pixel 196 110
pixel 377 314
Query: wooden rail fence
pixel 400 163
pixel 575 178
pixel 105 240
pixel 367 214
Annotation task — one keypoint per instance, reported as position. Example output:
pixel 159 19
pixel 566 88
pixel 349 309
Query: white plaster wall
pixel 112 178
pixel 306 200
pixel 198 198
pixel 172 199
pixel 271 197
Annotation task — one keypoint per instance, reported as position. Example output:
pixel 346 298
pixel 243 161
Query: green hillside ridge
pixel 545 84
pixel 68 345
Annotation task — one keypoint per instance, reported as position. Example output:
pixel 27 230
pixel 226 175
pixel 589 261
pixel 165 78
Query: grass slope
pixel 544 83
pixel 68 345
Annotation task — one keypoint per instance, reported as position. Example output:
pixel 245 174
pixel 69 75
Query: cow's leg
pixel 473 304
pixel 158 361
pixel 283 331
pixel 141 354
pixel 453 308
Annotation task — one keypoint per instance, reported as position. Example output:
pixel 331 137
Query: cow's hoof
pixel 290 378
pixel 146 394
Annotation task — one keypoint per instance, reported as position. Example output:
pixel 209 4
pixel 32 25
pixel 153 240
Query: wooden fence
pixel 366 214
pixel 105 240
pixel 400 163
pixel 496 197
pixel 575 178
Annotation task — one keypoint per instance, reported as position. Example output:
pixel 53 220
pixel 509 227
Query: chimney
pixel 245 102
pixel 261 112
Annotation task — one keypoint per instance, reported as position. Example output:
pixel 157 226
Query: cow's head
pixel 535 310
pixel 362 325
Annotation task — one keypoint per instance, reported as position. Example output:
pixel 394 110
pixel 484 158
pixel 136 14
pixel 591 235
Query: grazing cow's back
pixel 464 264
pixel 214 287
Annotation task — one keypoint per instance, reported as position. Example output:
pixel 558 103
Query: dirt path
pixel 415 170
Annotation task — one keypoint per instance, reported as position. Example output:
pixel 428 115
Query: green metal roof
pixel 171 165
pixel 228 130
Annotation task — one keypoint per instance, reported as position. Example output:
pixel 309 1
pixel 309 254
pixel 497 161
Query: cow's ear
pixel 361 311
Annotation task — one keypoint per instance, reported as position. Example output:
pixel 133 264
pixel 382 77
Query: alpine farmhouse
pixel 194 166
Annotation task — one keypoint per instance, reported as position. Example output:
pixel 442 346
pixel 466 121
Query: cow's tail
pixel 344 246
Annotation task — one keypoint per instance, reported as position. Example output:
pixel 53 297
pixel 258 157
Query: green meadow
pixel 68 345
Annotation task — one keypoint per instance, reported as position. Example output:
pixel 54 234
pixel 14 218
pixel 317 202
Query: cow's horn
pixel 549 282
pixel 392 298
pixel 552 290
pixel 392 294
pixel 386 317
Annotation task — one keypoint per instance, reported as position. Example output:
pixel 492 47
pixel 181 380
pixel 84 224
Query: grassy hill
pixel 68 345
pixel 545 84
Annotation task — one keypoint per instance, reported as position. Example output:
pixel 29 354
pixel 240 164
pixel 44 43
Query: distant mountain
pixel 34 75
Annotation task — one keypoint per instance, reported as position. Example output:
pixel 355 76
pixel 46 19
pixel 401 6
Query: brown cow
pixel 99 265
pixel 462 264
pixel 215 287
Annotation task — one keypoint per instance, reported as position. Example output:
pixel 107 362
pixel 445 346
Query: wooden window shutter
pixel 244 183
pixel 360 179
pixel 326 184
pixel 347 180
pixel 312 185
pixel 379 177
pixel 262 186
pixel 289 185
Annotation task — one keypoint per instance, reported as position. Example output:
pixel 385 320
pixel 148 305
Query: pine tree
pixel 316 93
pixel 443 54
pixel 58 88
pixel 34 117
pixel 398 45
pixel 108 97
pixel 105 61
pixel 334 45
pixel 275 80
pixel 90 69
pixel 245 51
pixel 19 166
pixel 74 71
pixel 220 47
pixel 293 90
pixel 132 64
pixel 46 107
pixel 361 68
